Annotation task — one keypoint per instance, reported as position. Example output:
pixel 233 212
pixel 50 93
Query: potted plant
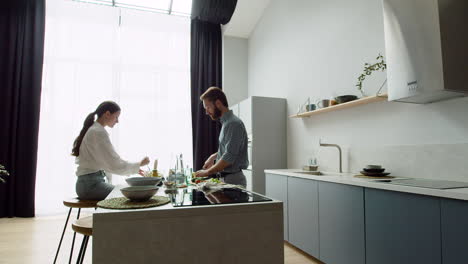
pixel 368 69
pixel 3 172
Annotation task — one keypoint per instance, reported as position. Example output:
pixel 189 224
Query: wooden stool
pixel 83 226
pixel 74 203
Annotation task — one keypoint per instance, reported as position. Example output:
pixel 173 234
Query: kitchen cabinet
pixel 402 228
pixel 454 217
pixel 277 188
pixel 245 114
pixel 303 218
pixel 264 119
pixel 341 218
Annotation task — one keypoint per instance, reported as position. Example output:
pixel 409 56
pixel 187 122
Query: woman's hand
pixel 144 161
pixel 209 162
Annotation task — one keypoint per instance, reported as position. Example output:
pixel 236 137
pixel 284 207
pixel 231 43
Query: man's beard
pixel 216 114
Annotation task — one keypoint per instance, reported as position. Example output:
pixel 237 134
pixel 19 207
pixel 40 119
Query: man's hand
pixel 201 173
pixel 209 162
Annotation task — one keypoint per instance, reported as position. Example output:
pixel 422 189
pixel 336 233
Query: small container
pixel 310 168
pixel 311 107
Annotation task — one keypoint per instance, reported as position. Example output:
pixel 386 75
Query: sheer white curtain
pixel 95 53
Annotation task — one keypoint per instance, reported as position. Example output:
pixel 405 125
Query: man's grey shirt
pixel 233 143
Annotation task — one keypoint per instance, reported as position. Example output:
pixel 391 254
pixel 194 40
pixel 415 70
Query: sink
pixel 316 173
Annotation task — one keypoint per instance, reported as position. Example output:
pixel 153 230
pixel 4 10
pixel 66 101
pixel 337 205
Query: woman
pixel 95 154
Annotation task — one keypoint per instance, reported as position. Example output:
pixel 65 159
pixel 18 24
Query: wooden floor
pixel 35 240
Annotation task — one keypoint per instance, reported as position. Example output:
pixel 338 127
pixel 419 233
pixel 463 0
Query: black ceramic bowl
pixel 345 98
pixel 374 170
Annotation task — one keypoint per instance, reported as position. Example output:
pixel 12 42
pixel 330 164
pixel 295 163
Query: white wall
pixel 303 48
pixel 235 65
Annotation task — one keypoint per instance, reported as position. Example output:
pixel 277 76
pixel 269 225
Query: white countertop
pixel 349 179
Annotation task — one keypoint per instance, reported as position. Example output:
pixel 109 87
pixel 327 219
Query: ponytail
pixel 110 106
pixel 89 121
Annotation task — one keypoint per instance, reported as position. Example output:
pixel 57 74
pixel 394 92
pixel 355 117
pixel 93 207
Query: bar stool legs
pixel 83 226
pixel 63 233
pixel 81 254
pixel 76 203
pixel 74 235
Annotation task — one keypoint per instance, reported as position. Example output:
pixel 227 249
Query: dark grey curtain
pixel 206 69
pixel 22 24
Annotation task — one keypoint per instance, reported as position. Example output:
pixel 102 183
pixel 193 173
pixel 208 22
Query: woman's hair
pixel 110 106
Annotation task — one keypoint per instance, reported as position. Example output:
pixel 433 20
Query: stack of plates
pixel 374 171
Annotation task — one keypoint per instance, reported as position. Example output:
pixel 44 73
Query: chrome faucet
pixel 332 145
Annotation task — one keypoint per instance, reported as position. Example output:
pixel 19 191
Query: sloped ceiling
pixel 245 18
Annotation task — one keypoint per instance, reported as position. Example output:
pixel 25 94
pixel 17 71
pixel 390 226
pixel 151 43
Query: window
pixel 94 53
pixel 172 7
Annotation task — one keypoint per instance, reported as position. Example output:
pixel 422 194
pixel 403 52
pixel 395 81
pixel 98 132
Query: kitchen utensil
pixel 345 98
pixel 143 181
pixel 323 103
pixel 375 174
pixel 374 170
pixel 139 193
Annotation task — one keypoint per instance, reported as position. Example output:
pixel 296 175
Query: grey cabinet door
pixel 454 231
pixel 277 188
pixel 303 214
pixel 402 228
pixel 341 218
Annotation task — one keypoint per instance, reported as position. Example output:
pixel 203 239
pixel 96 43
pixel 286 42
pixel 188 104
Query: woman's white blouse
pixel 97 153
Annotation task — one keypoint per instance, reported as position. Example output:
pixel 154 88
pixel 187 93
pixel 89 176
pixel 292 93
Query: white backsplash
pixel 435 161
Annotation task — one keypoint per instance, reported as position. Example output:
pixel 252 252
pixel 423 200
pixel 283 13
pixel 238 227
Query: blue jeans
pixel 93 186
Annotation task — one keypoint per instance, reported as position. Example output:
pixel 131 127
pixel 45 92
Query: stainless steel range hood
pixel 426 43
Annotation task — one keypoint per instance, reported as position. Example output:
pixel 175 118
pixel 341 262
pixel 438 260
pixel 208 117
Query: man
pixel 231 157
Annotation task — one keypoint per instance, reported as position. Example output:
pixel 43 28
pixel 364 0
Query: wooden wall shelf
pixel 362 101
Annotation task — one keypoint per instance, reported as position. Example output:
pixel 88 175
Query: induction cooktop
pixel 193 197
pixel 431 184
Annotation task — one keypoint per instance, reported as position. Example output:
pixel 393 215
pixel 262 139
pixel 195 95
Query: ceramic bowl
pixel 373 167
pixel 345 98
pixel 143 181
pixel 139 193
pixel 374 170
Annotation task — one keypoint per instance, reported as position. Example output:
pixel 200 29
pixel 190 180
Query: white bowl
pixel 139 193
pixel 143 181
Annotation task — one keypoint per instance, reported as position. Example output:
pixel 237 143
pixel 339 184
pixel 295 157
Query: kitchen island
pixel 191 230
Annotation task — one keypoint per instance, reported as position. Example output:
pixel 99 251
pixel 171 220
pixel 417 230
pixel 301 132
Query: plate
pixel 375 174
